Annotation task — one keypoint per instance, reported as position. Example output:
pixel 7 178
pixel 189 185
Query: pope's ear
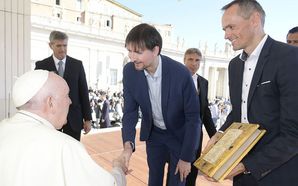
pixel 49 102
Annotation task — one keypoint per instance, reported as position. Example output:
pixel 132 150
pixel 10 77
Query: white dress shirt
pixel 249 69
pixel 56 60
pixel 154 86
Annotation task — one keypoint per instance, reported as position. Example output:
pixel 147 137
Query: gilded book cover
pixel 229 150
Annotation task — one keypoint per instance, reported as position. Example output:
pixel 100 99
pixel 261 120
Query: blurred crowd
pixel 220 108
pixel 107 108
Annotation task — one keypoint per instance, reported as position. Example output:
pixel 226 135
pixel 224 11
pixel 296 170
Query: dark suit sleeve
pixel 130 111
pixel 38 65
pixel 228 122
pixel 207 118
pixel 208 122
pixel 193 123
pixel 84 95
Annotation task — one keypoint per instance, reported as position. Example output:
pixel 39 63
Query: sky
pixel 199 21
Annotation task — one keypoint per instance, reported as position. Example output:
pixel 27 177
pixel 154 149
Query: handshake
pixel 120 168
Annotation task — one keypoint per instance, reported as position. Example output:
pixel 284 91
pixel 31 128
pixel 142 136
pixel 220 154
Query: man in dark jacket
pixel 72 70
pixel 192 59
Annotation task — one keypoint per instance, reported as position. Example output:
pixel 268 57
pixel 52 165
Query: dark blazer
pixel 75 77
pixel 206 120
pixel 204 109
pixel 180 114
pixel 272 103
pixel 105 117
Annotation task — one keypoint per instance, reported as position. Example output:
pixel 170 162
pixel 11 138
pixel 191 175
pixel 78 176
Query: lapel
pixel 52 66
pixel 238 79
pixel 199 85
pixel 165 86
pixel 67 67
pixel 201 93
pixel 144 88
pixel 263 58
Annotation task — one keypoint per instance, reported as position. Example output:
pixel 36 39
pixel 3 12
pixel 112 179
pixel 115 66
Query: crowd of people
pixel 40 144
pixel 219 108
pixel 113 101
pixel 106 108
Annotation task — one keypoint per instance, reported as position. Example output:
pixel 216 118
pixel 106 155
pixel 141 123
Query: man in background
pixel 292 36
pixel 72 70
pixel 192 60
pixel 105 121
pixel 34 153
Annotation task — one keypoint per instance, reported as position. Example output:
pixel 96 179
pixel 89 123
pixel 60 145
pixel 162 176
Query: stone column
pixel 14 48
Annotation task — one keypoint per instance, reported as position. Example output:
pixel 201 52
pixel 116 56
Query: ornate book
pixel 229 150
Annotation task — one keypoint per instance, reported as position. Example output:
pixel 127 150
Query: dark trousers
pixel 160 147
pixel 69 131
pixel 192 176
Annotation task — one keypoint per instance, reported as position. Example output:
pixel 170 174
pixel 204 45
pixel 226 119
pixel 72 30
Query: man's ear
pixel 156 50
pixel 256 19
pixel 50 45
pixel 49 102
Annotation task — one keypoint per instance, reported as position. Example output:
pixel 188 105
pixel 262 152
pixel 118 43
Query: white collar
pixel 36 118
pixel 158 70
pixel 56 60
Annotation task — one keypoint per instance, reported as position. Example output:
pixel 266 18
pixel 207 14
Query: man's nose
pixel 227 34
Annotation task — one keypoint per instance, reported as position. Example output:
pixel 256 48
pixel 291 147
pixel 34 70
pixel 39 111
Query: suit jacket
pixel 204 109
pixel 75 77
pixel 105 117
pixel 180 106
pixel 272 103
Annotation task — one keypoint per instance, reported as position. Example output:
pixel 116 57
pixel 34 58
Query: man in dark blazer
pixel 105 121
pixel 192 59
pixel 72 70
pixel 292 36
pixel 263 87
pixel 164 91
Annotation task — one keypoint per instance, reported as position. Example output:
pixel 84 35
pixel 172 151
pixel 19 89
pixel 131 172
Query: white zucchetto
pixel 27 86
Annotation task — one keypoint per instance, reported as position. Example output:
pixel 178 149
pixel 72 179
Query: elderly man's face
pixel 61 104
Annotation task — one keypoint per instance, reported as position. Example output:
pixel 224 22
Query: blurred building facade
pixel 97 31
pixel 14 48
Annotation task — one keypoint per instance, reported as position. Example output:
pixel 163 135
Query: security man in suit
pixel 192 59
pixel 292 36
pixel 72 70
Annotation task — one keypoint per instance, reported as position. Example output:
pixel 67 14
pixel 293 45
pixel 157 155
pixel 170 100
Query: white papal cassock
pixel 34 153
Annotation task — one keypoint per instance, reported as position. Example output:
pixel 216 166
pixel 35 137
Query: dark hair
pixel 247 7
pixel 293 30
pixel 144 36
pixel 57 35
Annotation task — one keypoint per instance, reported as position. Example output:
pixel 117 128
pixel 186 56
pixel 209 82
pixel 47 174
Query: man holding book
pixel 263 88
